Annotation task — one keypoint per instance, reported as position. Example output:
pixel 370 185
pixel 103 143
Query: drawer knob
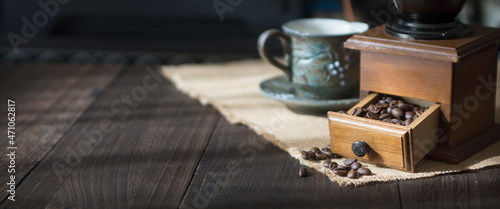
pixel 359 148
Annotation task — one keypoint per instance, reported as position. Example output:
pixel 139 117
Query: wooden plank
pixel 49 98
pixel 484 188
pixel 477 189
pixel 121 156
pixel 242 170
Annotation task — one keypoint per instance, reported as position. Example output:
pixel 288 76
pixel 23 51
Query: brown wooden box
pixel 459 74
pixel 391 145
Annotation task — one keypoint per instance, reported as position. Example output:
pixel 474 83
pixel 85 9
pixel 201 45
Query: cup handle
pixel 285 41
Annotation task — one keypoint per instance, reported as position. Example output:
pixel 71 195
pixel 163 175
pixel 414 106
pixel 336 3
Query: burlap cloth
pixel 233 88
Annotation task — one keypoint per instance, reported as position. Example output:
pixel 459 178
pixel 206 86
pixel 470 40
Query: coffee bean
pixel 408 121
pixel 328 154
pixel 384 115
pixel 397 113
pixel 396 121
pixel 315 150
pixel 388 99
pixel 327 163
pixel 372 115
pixel 343 167
pixel 392 110
pixel 364 171
pixel 381 106
pixel 349 161
pixel 355 165
pixel 357 111
pixel 321 156
pixel 340 172
pixel 409 114
pixel 352 174
pixel 374 109
pixel 333 165
pixel 312 154
pixel 303 172
pixel 305 155
pixel 404 107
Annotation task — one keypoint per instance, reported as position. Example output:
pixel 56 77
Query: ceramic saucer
pixel 279 88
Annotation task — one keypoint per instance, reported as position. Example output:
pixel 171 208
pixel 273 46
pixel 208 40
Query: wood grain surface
pixel 242 170
pixel 49 98
pixel 144 159
pixel 165 150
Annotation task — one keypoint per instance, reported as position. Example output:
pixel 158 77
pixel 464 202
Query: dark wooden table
pixel 118 136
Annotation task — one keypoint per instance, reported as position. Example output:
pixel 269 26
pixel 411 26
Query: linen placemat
pixel 233 89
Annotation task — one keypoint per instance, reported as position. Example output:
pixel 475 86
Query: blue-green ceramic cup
pixel 316 62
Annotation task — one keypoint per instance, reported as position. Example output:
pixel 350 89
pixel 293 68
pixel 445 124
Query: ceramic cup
pixel 316 63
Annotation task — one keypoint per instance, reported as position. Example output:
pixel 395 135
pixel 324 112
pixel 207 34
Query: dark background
pixel 155 31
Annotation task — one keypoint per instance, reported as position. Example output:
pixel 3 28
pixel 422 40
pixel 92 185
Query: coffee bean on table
pixel 340 172
pixel 355 165
pixel 349 161
pixel 364 171
pixel 303 172
pixel 327 163
pixel 352 174
pixel 315 150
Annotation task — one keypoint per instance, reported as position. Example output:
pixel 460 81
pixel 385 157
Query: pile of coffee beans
pixel 318 154
pixel 351 168
pixel 390 109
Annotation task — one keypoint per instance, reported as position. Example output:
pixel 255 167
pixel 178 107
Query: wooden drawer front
pixel 385 145
pixel 388 144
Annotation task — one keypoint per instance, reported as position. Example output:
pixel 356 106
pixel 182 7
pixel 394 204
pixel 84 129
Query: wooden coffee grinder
pixel 430 58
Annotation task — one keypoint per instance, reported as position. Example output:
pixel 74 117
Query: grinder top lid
pixel 450 50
